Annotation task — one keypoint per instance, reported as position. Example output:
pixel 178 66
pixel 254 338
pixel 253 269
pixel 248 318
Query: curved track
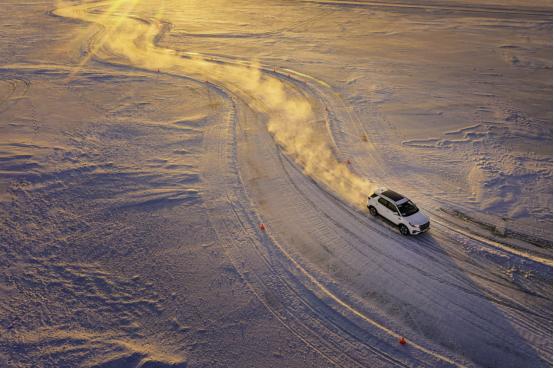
pixel 16 88
pixel 346 285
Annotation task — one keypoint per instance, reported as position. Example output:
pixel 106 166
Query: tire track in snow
pixel 113 57
pixel 337 353
pixel 237 230
pixel 341 113
pixel 218 142
pixel 501 300
pixel 255 240
pixel 110 55
pixel 17 88
pixel 452 240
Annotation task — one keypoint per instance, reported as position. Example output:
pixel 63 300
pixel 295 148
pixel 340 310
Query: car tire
pixel 373 211
pixel 404 230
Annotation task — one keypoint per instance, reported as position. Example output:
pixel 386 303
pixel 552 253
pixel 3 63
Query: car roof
pixel 394 196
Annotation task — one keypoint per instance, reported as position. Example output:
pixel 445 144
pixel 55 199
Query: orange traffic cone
pixel 402 341
pixel 262 227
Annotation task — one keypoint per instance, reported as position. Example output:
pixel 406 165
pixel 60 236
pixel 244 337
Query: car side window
pixel 392 207
pixel 383 202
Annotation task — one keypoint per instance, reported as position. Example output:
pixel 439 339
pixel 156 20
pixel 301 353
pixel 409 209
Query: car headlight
pixel 410 223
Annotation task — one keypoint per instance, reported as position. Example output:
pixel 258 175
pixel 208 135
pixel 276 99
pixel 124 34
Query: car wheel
pixel 404 230
pixel 372 211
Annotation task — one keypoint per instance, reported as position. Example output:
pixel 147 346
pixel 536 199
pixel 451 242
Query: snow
pixel 143 143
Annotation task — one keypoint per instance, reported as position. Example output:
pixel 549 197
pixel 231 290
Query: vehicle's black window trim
pixel 411 204
pixel 392 207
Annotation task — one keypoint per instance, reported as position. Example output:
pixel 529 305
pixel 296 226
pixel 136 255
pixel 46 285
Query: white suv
pixel 399 210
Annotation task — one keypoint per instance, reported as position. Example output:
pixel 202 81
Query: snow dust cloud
pixel 291 119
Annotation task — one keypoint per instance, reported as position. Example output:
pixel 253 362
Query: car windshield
pixel 408 208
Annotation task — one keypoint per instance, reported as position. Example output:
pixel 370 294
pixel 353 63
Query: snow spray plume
pixel 292 122
pixel 291 119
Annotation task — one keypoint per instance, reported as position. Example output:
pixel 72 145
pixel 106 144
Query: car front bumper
pixel 417 230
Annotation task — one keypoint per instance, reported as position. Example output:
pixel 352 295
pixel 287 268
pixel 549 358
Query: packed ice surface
pixel 142 143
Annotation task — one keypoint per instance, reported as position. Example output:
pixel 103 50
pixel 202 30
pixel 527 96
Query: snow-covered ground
pixel 142 144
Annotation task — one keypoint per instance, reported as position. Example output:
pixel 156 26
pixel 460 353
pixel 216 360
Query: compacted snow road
pixel 346 285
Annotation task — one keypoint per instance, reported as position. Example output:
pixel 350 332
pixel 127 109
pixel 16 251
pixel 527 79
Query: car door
pixel 395 214
pixel 384 208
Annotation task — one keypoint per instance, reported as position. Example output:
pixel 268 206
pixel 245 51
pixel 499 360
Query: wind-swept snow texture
pixel 142 144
